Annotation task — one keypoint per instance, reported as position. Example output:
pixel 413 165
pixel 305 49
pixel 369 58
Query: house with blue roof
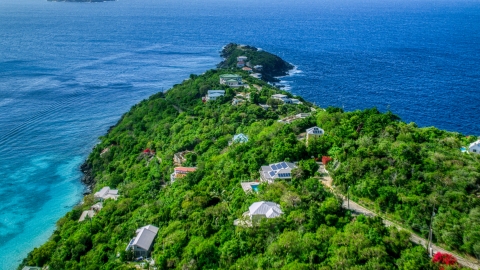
pixel 281 170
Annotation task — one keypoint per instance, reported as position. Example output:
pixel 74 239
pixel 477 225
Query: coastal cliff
pixel 390 165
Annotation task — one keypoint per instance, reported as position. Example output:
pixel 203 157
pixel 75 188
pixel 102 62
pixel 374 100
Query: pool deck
pixel 247 186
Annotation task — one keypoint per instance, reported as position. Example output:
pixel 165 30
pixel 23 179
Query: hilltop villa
pixel 257 211
pixel 106 193
pixel 232 80
pixel 314 132
pixel 474 147
pixel 214 94
pixel 285 99
pixel 281 170
pixel 242 59
pixel 141 244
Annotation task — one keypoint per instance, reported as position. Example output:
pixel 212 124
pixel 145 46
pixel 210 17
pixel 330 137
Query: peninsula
pixel 226 171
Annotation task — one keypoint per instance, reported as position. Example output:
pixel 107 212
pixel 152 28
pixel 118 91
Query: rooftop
pixel 145 237
pixel 268 209
pixel 315 130
pixel 185 169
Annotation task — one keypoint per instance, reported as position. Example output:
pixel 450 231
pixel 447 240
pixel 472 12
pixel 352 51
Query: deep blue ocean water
pixel 69 70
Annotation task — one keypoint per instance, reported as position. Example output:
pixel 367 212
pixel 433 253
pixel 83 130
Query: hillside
pixel 399 168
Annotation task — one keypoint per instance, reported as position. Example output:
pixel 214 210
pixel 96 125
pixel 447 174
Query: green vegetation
pixel 196 213
pixel 405 171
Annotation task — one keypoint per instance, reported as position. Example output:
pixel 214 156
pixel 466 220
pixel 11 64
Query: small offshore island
pixel 226 171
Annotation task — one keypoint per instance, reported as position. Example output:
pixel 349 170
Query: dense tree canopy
pixel 398 168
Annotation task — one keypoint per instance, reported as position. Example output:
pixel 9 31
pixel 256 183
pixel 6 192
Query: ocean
pixel 68 71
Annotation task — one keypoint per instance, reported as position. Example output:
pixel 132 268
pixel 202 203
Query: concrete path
pixel 358 209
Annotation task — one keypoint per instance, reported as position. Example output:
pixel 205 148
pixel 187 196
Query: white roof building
pixel 257 211
pixel 214 94
pixel 106 193
pixel 314 132
pixel 282 97
pixel 258 67
pixel 256 75
pixel 89 213
pixel 295 101
pixel 474 147
pixel 281 170
pixel 265 209
pixel 142 243
pixel 242 58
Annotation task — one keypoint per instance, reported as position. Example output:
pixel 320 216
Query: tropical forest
pixel 417 177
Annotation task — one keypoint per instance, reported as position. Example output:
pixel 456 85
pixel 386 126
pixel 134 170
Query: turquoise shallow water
pixel 69 70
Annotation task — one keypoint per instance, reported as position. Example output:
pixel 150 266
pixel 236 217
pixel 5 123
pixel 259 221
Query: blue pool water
pixel 254 188
pixel 69 70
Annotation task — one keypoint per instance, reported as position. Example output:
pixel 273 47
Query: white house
pixel 264 106
pixel 239 138
pixel 256 75
pixel 258 211
pixel 83 216
pixel 283 98
pixel 106 193
pixel 272 172
pixel 232 80
pixel 141 244
pixel 314 132
pixel 237 101
pixel 90 213
pixel 242 59
pixel 295 101
pixel 240 64
pixel 474 147
pixel 214 94
pixel 258 67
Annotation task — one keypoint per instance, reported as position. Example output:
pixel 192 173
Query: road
pixel 358 209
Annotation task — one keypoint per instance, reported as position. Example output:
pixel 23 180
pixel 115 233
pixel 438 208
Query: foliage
pixel 401 168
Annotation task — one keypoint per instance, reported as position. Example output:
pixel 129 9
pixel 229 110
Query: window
pixel 474 150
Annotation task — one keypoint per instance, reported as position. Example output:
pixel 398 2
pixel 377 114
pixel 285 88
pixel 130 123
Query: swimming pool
pixel 254 188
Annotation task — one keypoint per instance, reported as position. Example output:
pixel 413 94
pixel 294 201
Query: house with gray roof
pixel 85 214
pixel 31 268
pixel 214 94
pixel 314 132
pixel 281 170
pixel 142 243
pixel 106 193
pixel 474 147
pixel 257 211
